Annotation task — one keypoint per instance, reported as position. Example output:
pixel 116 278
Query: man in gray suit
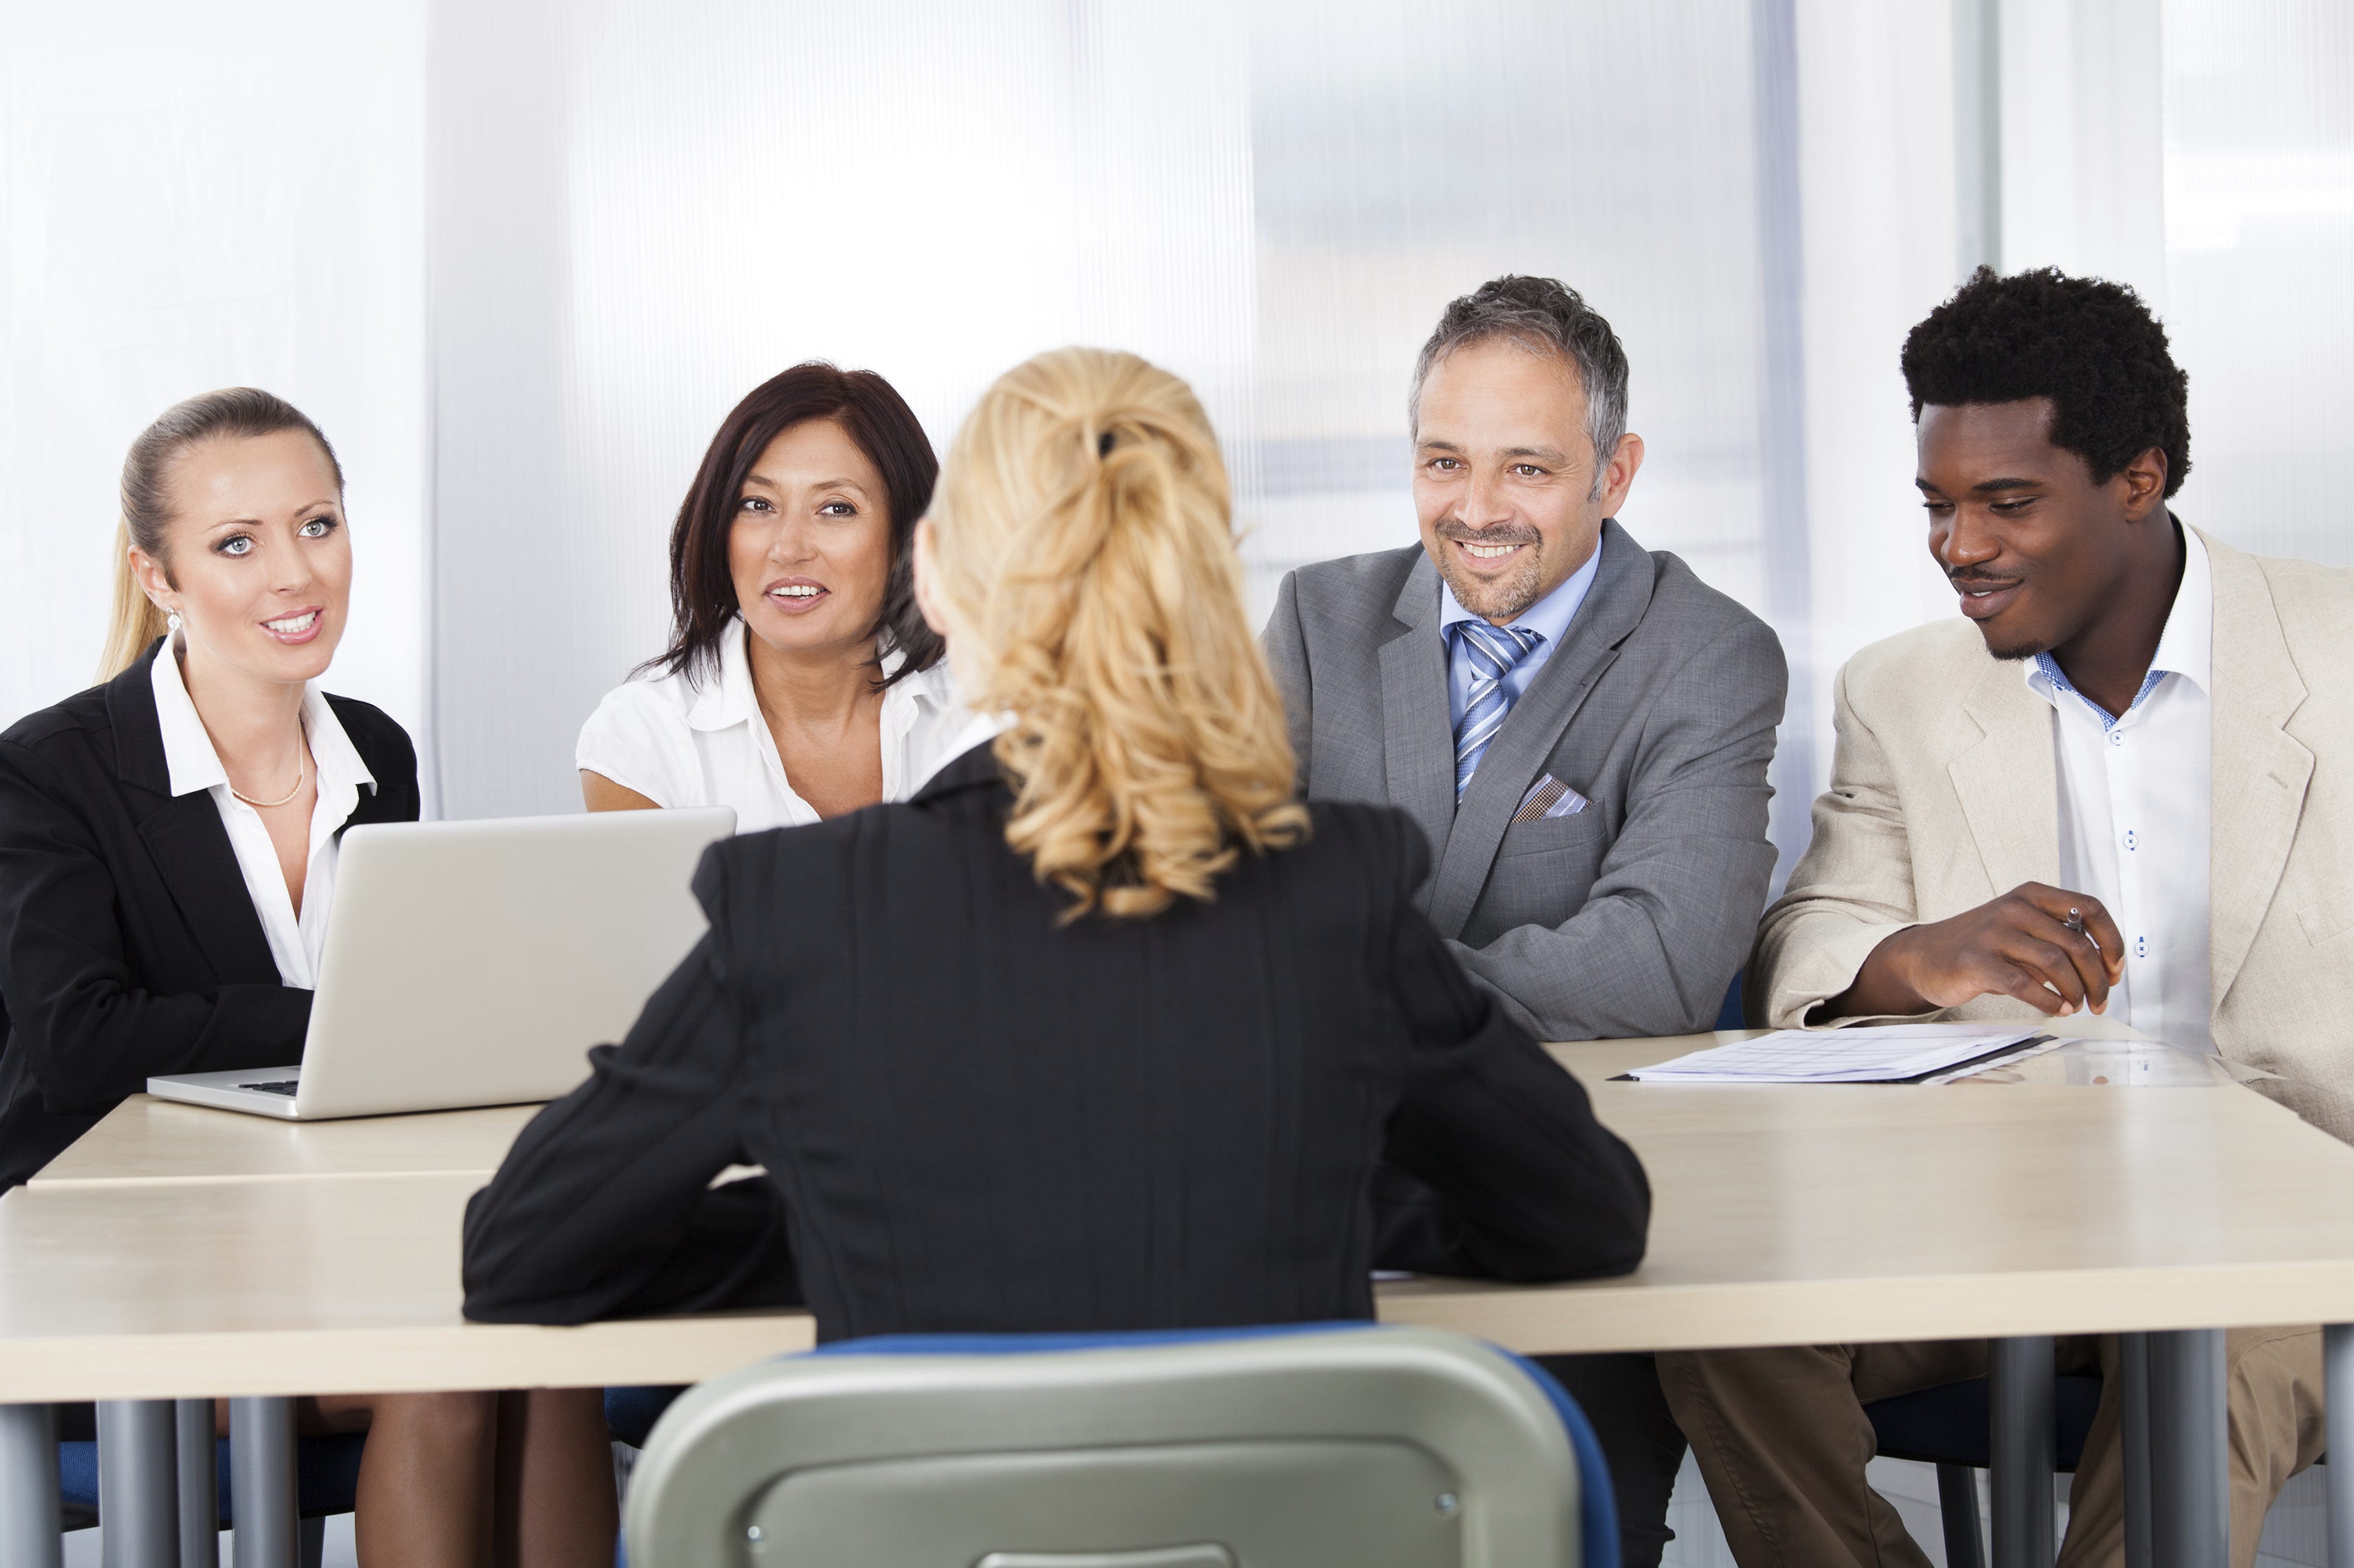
pixel 1582 727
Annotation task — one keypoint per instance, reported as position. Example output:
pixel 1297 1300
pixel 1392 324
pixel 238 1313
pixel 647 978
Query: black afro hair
pixel 2089 345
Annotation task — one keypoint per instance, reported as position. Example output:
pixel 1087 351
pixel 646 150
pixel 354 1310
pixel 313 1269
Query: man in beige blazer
pixel 2125 783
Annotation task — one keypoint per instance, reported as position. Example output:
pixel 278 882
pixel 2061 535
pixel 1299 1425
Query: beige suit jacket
pixel 1944 794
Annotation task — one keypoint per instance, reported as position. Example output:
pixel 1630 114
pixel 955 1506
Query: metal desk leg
pixel 262 1503
pixel 2020 1373
pixel 2337 1390
pixel 2189 1502
pixel 199 1485
pixel 30 1535
pixel 2133 1373
pixel 138 1485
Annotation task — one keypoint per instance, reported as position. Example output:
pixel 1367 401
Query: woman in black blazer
pixel 133 948
pixel 1101 1029
pixel 167 853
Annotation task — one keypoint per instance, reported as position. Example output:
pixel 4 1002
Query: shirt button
pixel 2117 738
pixel 2141 947
pixel 2129 839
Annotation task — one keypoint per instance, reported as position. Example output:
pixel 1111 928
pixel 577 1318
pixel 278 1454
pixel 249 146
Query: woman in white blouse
pixel 800 680
pixel 168 843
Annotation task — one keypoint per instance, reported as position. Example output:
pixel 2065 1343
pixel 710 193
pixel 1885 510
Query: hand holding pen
pixel 2055 950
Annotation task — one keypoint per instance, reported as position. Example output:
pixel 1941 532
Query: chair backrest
pixel 1335 1446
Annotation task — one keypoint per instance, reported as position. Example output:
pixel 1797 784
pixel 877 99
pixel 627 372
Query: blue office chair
pixel 327 1477
pixel 1387 1448
pixel 1952 1427
pixel 1729 1013
pixel 631 1412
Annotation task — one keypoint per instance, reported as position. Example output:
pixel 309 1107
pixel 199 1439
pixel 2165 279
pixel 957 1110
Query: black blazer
pixel 974 1118
pixel 127 944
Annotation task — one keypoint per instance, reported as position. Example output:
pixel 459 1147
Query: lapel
pixel 2007 779
pixel 973 769
pixel 1614 607
pixel 1417 741
pixel 394 798
pixel 2260 772
pixel 184 837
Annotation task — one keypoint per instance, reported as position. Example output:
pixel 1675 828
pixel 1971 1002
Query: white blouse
pixel 294 941
pixel 681 743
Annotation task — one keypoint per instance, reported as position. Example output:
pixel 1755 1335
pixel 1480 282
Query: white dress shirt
pixel 679 743
pixel 294 940
pixel 2135 810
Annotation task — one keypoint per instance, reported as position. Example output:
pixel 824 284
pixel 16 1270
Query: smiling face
pixel 810 549
pixel 1504 475
pixel 2035 550
pixel 256 560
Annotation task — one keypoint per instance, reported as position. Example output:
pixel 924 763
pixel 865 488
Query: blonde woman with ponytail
pixel 1102 1029
pixel 168 861
pixel 1082 547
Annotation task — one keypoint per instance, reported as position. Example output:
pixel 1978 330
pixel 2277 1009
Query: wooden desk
pixel 1781 1215
pixel 316 1285
pixel 1809 1213
pixel 323 1258
pixel 148 1139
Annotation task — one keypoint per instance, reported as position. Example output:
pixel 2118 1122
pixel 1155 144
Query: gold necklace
pixel 300 773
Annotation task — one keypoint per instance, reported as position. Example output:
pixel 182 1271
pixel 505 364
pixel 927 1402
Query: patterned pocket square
pixel 1549 797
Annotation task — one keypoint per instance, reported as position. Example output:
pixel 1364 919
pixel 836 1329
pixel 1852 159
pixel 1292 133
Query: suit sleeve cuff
pixel 1818 962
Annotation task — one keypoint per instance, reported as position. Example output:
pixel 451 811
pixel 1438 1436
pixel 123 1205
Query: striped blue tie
pixel 1492 651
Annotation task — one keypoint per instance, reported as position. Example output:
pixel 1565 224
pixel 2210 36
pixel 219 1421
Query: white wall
pixel 2259 223
pixel 2203 152
pixel 1877 185
pixel 628 214
pixel 199 197
pixel 2083 140
pixel 640 213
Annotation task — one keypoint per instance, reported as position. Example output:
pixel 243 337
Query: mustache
pixel 1963 577
pixel 1501 534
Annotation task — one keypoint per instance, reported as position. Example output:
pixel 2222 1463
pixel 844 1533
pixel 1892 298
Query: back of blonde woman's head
pixel 1083 537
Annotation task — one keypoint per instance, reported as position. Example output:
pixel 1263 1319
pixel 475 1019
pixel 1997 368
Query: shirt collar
pixel 188 753
pixel 730 699
pixel 338 759
pixel 1549 617
pixel 2185 647
pixel 193 765
pixel 727 700
pixel 932 691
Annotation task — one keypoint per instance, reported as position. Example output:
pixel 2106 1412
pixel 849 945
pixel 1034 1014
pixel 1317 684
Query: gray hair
pixel 1547 315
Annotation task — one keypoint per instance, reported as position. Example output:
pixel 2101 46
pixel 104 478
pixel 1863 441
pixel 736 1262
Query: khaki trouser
pixel 1782 1440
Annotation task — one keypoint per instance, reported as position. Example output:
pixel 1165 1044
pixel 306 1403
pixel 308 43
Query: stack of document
pixel 1888 1053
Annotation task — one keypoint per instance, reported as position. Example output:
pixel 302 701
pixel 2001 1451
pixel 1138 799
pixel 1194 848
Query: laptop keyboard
pixel 283 1086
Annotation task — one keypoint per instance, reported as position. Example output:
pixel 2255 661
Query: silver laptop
pixel 475 963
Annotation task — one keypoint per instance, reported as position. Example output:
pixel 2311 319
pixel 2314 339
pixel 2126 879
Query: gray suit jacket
pixel 1629 917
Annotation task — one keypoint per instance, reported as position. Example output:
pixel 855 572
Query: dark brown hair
pixel 703 591
pixel 232 413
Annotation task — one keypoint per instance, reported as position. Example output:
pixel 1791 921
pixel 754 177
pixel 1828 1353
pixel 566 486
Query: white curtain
pixel 2259 209
pixel 519 257
pixel 640 213
pixel 194 197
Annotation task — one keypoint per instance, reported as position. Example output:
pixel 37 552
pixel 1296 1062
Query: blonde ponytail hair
pixel 1083 533
pixel 231 413
pixel 135 622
